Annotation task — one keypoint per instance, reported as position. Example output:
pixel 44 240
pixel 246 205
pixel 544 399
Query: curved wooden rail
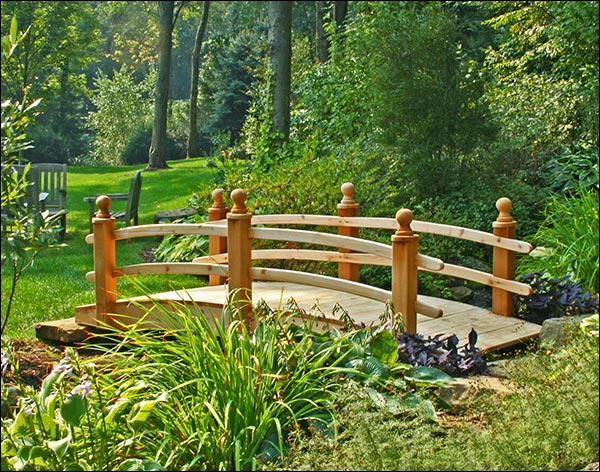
pixel 391 224
pixel 230 233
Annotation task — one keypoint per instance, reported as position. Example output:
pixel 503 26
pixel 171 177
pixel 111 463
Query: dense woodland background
pixel 442 107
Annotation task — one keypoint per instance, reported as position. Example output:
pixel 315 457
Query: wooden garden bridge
pixel 234 279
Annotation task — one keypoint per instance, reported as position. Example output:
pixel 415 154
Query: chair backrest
pixel 131 212
pixel 53 181
pixel 32 192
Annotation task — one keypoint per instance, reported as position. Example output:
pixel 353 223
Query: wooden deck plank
pixel 494 331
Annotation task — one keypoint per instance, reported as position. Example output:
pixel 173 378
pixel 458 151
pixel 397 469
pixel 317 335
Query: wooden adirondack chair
pixel 32 200
pixel 130 215
pixel 53 182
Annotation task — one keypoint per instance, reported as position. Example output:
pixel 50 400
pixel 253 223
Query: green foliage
pixel 206 394
pixel 123 111
pixel 71 423
pixel 546 418
pixel 63 41
pixel 136 150
pixel 25 232
pixel 567 241
pixel 544 76
pixel 575 170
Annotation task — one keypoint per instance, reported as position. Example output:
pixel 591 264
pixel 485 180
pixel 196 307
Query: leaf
pixel 139 464
pixel 60 446
pixel 428 377
pixel 73 409
pixel 384 346
pixel 116 409
pixel 144 408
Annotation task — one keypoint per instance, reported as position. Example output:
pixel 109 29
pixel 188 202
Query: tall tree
pixel 280 63
pixel 321 35
pixel 192 142
pixel 166 21
pixel 340 11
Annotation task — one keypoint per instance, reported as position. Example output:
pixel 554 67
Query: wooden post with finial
pixel 404 271
pixel 103 227
pixel 217 244
pixel 240 258
pixel 348 208
pixel 503 302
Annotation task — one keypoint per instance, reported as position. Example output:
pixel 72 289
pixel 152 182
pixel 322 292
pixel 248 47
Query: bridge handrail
pixel 230 233
pixel 440 229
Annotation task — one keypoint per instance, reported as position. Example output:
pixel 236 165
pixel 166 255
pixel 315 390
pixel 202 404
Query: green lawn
pixel 56 283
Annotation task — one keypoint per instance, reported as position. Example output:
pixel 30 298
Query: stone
pixel 554 331
pixel 65 331
pixel 461 293
pixel 172 215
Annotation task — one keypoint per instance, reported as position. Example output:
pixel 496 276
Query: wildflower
pixel 84 388
pixel 27 410
pixel 64 366
pixel 5 363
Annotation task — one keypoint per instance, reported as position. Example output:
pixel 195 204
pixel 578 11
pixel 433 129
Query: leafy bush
pixel 442 353
pixel 122 105
pixel 72 424
pixel 553 298
pixel 568 240
pixel 136 150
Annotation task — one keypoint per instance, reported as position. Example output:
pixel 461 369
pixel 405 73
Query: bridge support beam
pixel 348 208
pixel 240 259
pixel 217 244
pixel 404 273
pixel 503 302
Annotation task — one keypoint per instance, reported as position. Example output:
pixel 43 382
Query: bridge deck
pixel 494 331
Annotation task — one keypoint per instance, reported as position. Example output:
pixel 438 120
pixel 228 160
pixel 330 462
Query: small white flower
pixel 85 388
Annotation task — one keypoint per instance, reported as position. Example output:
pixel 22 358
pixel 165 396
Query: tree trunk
pixel 340 10
pixel 192 143
pixel 280 58
pixel 156 154
pixel 321 36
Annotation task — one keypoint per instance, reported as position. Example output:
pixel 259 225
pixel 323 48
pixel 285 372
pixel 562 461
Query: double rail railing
pixel 231 258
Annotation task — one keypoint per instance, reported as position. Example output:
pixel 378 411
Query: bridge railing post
pixel 217 244
pixel 503 302
pixel 239 247
pixel 404 272
pixel 348 208
pixel 103 227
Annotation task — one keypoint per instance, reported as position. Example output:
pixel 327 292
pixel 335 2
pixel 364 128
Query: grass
pixel 56 284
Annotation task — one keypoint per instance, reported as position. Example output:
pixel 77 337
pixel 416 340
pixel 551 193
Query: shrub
pixel 442 353
pixel 568 239
pixel 136 150
pixel 554 297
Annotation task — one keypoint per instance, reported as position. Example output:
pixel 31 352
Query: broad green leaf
pixel 139 464
pixel 116 409
pixel 428 377
pixel 73 409
pixel 384 346
pixel 143 409
pixel 60 446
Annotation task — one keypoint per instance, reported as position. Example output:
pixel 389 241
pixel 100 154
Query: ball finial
pixel 103 203
pixel 504 205
pixel 239 201
pixel 217 196
pixel 404 217
pixel 348 193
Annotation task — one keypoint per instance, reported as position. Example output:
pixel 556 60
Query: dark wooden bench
pixel 130 214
